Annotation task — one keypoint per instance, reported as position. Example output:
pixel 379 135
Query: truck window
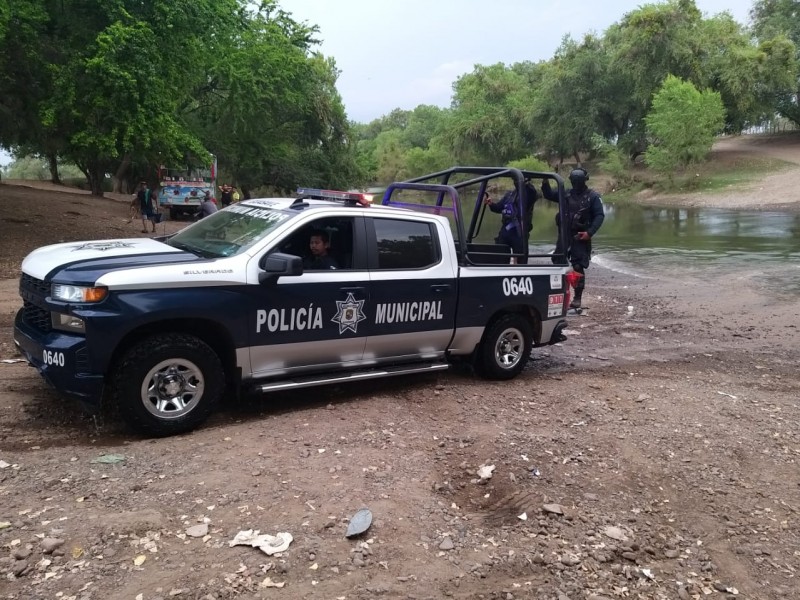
pixel 338 235
pixel 405 244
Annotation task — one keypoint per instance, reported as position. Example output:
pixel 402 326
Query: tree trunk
pixel 95 173
pixel 121 176
pixel 52 161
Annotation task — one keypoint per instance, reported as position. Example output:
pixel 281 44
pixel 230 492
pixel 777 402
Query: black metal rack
pixel 440 183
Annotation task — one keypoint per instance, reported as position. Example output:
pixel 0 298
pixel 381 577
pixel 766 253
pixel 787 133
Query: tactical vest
pixel 579 205
pixel 509 212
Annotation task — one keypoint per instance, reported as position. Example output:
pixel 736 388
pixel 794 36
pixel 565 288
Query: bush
pixel 530 163
pixel 682 125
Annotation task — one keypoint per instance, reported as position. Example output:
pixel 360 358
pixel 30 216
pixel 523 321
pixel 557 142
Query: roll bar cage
pixel 440 183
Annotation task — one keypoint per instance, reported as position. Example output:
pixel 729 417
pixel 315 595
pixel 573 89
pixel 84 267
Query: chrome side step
pixel 347 377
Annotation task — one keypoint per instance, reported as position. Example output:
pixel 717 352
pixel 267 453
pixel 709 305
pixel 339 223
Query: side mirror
pixel 278 264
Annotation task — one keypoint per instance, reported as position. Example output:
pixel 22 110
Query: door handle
pixel 441 287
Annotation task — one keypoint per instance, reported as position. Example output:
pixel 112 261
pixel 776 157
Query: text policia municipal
pixel 299 319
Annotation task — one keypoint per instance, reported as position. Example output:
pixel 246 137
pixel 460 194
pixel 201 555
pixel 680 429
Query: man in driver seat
pixel 319 244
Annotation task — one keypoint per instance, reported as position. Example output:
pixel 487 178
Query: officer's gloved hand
pixel 583 236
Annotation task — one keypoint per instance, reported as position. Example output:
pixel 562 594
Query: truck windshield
pixel 228 232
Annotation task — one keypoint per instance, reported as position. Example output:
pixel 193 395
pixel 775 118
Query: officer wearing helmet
pixel 586 216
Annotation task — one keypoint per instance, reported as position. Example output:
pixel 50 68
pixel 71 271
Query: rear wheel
pixel 506 347
pixel 168 384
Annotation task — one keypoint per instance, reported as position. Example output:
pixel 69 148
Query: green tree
pixel 682 125
pixel 579 97
pixel 488 124
pixel 774 23
pixel 122 86
pixel 403 144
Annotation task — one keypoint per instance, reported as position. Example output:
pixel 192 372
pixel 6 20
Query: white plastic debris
pixel 615 533
pixel 726 394
pixel 268 544
pixel 268 583
pixel 485 471
pixel 523 517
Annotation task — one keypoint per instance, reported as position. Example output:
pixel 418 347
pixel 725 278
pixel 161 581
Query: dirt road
pixel 775 191
pixel 652 455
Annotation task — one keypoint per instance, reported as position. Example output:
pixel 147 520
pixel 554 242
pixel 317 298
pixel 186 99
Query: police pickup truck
pixel 165 328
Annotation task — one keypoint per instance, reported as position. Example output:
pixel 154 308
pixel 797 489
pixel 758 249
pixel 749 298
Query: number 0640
pixel 50 357
pixel 517 287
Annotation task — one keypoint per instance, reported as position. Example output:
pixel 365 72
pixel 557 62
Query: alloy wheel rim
pixel 172 388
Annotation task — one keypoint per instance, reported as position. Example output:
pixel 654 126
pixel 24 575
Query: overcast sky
pixel 402 53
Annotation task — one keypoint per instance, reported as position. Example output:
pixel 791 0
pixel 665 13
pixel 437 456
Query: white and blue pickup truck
pixel 166 328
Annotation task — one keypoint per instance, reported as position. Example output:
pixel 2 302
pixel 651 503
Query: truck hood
pixel 85 261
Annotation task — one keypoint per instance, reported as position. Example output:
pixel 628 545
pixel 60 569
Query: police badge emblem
pixel 349 314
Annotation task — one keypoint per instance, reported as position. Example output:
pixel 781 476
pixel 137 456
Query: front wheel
pixel 506 347
pixel 167 384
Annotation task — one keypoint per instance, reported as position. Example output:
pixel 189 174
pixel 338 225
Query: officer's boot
pixel 576 301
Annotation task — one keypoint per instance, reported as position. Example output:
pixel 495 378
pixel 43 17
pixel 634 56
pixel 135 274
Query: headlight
pixel 76 293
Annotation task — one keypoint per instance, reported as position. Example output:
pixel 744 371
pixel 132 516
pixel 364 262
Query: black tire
pixel 506 347
pixel 167 384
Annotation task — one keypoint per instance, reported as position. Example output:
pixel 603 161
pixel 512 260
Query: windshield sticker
pixel 103 246
pixel 258 213
pixel 349 314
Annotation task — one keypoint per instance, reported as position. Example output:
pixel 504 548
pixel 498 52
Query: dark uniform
pixel 586 215
pixel 320 263
pixel 515 229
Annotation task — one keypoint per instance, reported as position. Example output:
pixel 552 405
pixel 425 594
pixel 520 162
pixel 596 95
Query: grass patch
pixel 625 195
pixel 722 175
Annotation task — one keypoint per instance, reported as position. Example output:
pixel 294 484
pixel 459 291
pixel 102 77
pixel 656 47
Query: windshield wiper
pixel 202 252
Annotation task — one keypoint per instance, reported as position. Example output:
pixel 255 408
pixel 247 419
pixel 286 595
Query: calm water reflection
pixel 650 241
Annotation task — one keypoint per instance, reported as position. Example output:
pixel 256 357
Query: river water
pixel 692 242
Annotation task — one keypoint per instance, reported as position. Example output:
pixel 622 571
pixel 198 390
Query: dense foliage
pixel 598 92
pixel 682 125
pixel 120 86
pixel 777 23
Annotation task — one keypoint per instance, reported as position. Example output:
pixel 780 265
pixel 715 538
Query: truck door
pixel 313 321
pixel 413 290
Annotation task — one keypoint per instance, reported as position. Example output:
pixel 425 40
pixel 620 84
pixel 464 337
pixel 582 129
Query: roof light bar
pixel 356 197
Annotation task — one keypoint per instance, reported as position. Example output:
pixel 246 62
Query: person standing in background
pixel 226 197
pixel 143 200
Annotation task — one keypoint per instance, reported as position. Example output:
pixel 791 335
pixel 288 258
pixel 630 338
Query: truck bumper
pixel 64 370
pixel 553 332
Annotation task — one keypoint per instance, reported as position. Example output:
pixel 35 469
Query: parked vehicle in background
pixel 181 190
